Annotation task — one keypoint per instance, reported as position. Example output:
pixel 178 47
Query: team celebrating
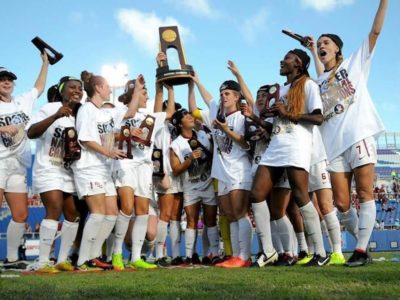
pixel 284 160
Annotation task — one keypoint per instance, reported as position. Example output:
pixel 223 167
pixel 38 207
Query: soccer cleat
pixel 216 260
pixel 88 267
pixel 285 260
pixel 188 261
pixel 48 269
pixel 235 262
pixel 206 261
pixel 196 259
pixel 14 265
pixel 117 262
pixel 358 258
pixel 141 264
pixel 65 266
pixel 265 259
pixel 97 262
pixel 162 262
pixel 42 267
pixel 304 259
pixel 177 261
pixel 337 259
pixel 318 261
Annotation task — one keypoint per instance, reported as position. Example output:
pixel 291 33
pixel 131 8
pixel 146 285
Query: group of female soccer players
pixel 284 162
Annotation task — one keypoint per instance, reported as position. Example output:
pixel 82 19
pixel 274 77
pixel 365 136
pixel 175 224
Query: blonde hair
pixel 296 96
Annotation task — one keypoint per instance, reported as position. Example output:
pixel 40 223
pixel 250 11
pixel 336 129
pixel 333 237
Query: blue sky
pixel 92 34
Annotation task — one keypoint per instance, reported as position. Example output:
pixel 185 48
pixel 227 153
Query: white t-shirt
pixel 96 125
pixel 141 153
pixel 349 114
pixel 198 176
pixel 318 148
pixel 50 145
pixel 291 144
pixel 17 113
pixel 231 163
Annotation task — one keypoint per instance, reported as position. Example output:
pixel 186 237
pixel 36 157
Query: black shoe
pixel 263 259
pixel 177 261
pixel 14 265
pixel 318 261
pixel 358 259
pixel 188 261
pixel 206 261
pixel 162 262
pixel 216 260
pixel 285 260
pixel 144 257
pixel 196 259
pixel 74 259
pixel 302 254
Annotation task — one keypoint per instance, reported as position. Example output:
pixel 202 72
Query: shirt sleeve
pixel 27 100
pixel 86 125
pixel 313 97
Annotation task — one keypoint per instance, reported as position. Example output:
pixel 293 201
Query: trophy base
pixel 174 77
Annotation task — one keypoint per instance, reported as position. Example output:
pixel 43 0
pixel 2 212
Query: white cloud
pixel 143 28
pixel 197 7
pixel 326 5
pixel 254 25
pixel 116 75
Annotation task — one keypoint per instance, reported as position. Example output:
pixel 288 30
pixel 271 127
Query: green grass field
pixel 380 280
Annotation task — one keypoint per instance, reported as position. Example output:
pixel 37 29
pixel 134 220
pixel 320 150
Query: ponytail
pixel 296 96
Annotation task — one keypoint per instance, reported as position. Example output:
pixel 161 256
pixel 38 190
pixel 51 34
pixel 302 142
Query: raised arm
pixel 319 67
pixel 191 97
pixel 171 101
pixel 203 92
pixel 41 80
pixel 159 97
pixel 139 91
pixel 243 86
pixel 378 24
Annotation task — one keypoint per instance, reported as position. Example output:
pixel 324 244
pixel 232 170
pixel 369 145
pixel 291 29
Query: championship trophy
pixel 252 132
pixel 304 40
pixel 158 166
pixel 147 128
pixel 221 113
pixel 125 136
pixel 169 38
pixel 72 149
pixel 44 47
pixel 195 144
pixel 271 99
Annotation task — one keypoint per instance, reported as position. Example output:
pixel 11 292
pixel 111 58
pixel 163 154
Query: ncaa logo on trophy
pixel 169 38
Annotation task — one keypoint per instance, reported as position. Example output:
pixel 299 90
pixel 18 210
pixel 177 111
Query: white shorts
pixel 206 196
pixel 359 154
pixel 45 182
pixel 94 181
pixel 283 182
pixel 175 187
pixel 225 188
pixel 318 177
pixel 140 179
pixel 12 175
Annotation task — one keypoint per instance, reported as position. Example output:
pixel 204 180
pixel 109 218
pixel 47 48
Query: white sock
pixel 295 245
pixel 366 223
pixel 276 239
pixel 47 233
pixel 313 227
pixel 245 237
pixel 325 234
pixel 234 228
pixel 15 233
pixel 301 239
pixel 121 227
pixel 310 244
pixel 263 225
pixel 205 241
pixel 175 236
pixel 333 227
pixel 138 234
pixel 110 246
pixel 89 236
pixel 349 220
pixel 105 230
pixel 213 237
pixel 283 225
pixel 68 234
pixel 162 231
pixel 190 237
